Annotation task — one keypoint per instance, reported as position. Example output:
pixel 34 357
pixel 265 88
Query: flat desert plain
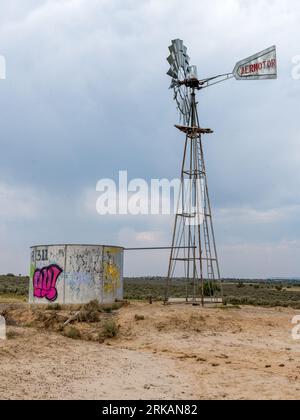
pixel 161 352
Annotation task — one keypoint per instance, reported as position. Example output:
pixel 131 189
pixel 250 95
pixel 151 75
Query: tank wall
pixel 112 286
pixel 47 272
pixel 83 274
pixel 75 274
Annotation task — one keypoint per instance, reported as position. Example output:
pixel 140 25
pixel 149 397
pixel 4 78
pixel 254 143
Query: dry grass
pixel 12 298
pixel 91 322
pixel 71 332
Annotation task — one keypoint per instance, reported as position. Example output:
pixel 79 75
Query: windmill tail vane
pixel 193 255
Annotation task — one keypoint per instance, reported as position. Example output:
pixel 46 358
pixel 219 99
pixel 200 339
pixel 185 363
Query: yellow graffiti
pixel 112 251
pixel 111 281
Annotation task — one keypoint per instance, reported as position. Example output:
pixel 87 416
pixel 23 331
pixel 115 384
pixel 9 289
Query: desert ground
pixel 160 352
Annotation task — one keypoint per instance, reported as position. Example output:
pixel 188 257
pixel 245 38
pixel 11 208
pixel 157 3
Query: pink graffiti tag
pixel 44 282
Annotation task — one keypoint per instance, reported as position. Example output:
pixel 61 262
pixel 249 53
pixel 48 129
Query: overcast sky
pixel 86 95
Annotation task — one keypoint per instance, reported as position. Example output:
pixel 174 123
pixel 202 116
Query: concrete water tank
pixel 71 274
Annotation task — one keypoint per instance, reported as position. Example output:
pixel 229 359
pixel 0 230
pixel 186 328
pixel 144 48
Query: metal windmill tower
pixel 193 243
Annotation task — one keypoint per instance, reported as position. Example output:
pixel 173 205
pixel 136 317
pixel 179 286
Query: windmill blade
pixel 172 54
pixel 179 62
pixel 175 67
pixel 175 58
pixel 181 59
pixel 180 51
pixel 173 84
pixel 171 60
pixel 177 45
pixel 179 102
pixel 181 94
pixel 171 49
pixel 186 66
pixel 183 104
pixel 172 74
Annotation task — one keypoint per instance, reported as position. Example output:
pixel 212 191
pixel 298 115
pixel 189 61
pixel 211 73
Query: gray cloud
pixel 86 96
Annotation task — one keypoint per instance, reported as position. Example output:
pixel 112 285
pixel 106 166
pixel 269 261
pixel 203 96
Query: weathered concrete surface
pixel 71 274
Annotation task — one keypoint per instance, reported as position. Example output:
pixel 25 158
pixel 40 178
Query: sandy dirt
pixel 175 352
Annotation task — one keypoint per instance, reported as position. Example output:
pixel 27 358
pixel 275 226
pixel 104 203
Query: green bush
pixel 211 289
pixel 107 309
pixel 14 285
pixel 110 329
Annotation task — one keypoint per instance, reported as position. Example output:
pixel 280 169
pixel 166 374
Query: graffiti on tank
pixel 40 255
pixel 111 275
pixel 85 262
pixel 44 282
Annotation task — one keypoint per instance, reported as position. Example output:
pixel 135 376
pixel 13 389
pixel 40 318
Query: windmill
pixel 193 244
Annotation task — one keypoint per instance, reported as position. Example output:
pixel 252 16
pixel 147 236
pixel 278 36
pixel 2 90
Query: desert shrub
pixel 116 306
pixel 90 312
pixel 142 288
pixel 210 289
pixel 279 287
pixel 71 332
pixel 110 329
pixel 88 316
pixel 10 335
pixel 94 305
pixel 8 319
pixel 14 285
pixel 240 285
pixel 232 301
pixel 108 309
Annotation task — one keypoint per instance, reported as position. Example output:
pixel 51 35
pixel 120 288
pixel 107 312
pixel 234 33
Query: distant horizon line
pixel 288 278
